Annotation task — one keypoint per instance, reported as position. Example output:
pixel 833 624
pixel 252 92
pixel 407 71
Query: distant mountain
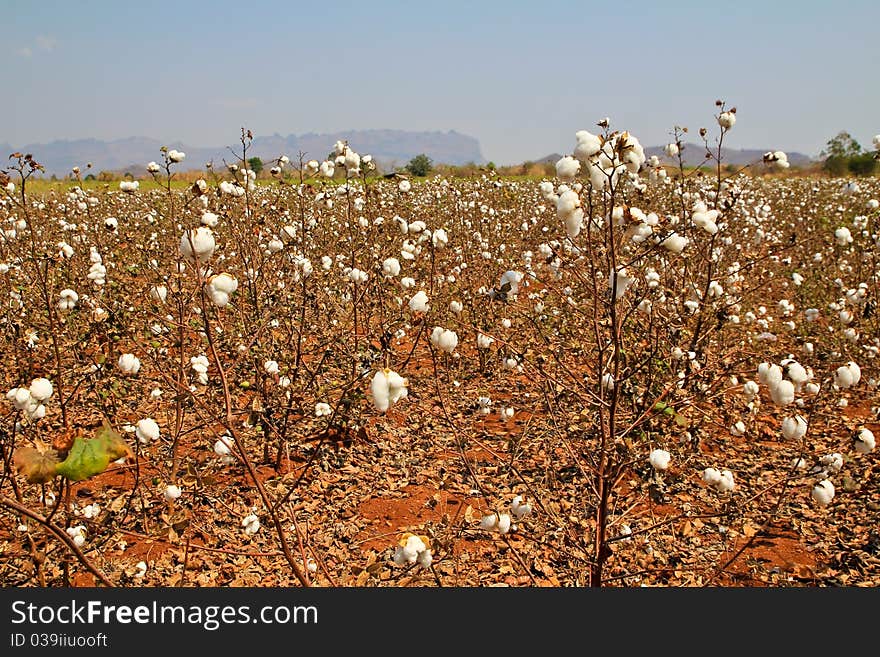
pixel 694 154
pixel 388 147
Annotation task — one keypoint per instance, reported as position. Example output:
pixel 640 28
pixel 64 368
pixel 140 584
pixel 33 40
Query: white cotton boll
pixel 588 145
pixel 769 374
pixel 176 156
pixel 159 293
pixel 823 492
pixel 68 299
pixel 567 168
pixel 147 431
pixel 620 283
pixel 711 476
pixel 129 364
pixel 41 389
pixel 327 168
pixel 223 446
pixel 425 559
pixel 455 307
pixel 864 441
pixel 513 278
pixel 444 339
pixel 419 302
pixel 404 186
pixel 439 239
pixel 855 372
pixel 794 428
pixel 407 282
pixel 387 387
pixel 503 525
pixel 152 167
pixel 129 186
pixel 750 389
pixel 489 522
pixel 659 459
pixel 833 462
pixel 812 388
pixel 197 245
pixel 209 219
pixel 322 409
pixel 706 221
pixel 78 534
pixel 782 393
pixel 171 492
pixel 843 236
pixel 484 341
pixel 251 524
pixel 738 429
pixel 391 266
pixel 843 377
pixel 20 398
pixel 271 367
pixel 675 243
pixel 519 508
pixel 725 482
pixel 727 119
pixel 671 150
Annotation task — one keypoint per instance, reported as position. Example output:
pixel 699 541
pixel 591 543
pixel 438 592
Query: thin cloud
pixel 47 43
pixel 25 52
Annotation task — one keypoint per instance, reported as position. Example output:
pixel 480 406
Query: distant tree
pixel 90 176
pixel 420 165
pixel 839 150
pixel 862 165
pixel 491 166
pixel 255 164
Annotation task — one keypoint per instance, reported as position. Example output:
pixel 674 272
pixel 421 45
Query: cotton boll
pixel 419 302
pixel 271 367
pixel 823 492
pixel 750 389
pixel 503 525
pixel 567 168
pixel 782 393
pixel 588 145
pixel 794 428
pixel 738 429
pixel 659 459
pixel 171 493
pixel 843 236
pixel 608 382
pixel 489 522
pixel 251 524
pixel 727 119
pixel 455 307
pixel 387 387
pixel 675 243
pixel 620 282
pixel 833 461
pixel 444 339
pixel 864 441
pixel 197 245
pixel 520 509
pixel 147 431
pixel 78 534
pixel 391 267
pixel 711 476
pixel 769 374
pixel 41 389
pixel 176 156
pixel 671 150
pixel 129 364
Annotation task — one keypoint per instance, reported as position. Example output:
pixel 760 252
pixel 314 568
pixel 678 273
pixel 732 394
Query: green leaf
pixel 89 457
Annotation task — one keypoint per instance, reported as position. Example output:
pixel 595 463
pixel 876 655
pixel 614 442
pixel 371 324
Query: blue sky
pixel 522 77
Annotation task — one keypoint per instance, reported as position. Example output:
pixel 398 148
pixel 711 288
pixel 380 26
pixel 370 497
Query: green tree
pixel 862 165
pixel 420 165
pixel 255 164
pixel 839 150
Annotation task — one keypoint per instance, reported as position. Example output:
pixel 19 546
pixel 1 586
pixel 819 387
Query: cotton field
pixel 629 374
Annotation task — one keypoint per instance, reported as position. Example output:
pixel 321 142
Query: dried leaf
pixel 37 466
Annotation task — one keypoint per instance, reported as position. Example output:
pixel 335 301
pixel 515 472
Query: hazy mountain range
pixel 694 154
pixel 389 148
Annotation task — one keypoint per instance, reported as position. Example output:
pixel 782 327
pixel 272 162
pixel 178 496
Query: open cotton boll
pixel 504 522
pixel 78 534
pixel 738 429
pixel 864 441
pixel 675 243
pixel 750 389
pixel 514 278
pixel 484 341
pixel 711 476
pixel 41 389
pixel 147 431
pixel 769 374
pixel 197 245
pixel 455 307
pixel 221 287
pixel 171 492
pixel 176 156
pixel 847 376
pixel 794 428
pixel 444 339
pixel 659 459
pixel 823 492
pixel 391 266
pixel 251 524
pixel 129 364
pixel 489 522
pixel 519 508
pixel 833 462
pixel 727 119
pixel 725 482
pixel 567 168
pixel 588 145
pixel 782 393
pixel 387 387
pixel 843 236
pixel 671 150
pixel 129 186
pixel 620 282
pixel 419 302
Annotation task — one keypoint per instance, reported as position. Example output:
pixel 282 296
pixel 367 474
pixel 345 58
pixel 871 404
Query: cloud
pixel 47 43
pixel 237 103
pixel 25 52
